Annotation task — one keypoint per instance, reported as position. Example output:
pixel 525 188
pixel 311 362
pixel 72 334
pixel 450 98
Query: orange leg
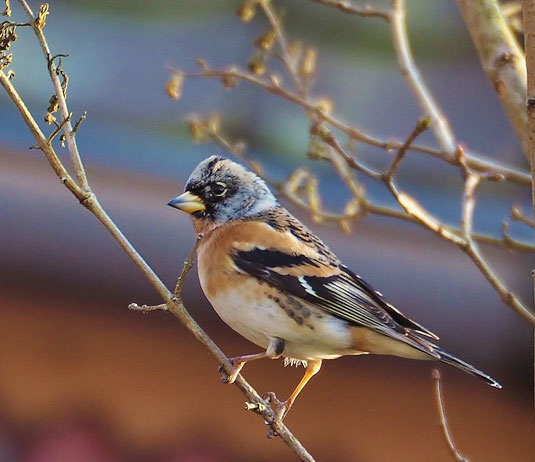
pixel 283 407
pixel 274 351
pixel 239 361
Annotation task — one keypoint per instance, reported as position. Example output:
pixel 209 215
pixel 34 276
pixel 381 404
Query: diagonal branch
pixel 60 95
pixel 501 58
pixel 411 74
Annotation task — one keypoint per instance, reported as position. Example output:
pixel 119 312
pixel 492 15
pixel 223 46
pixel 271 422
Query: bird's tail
pixel 460 364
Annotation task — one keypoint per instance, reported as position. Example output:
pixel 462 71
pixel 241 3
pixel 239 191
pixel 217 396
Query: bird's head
pixel 220 190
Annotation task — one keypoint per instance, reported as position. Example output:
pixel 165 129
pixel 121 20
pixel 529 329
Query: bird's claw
pixel 236 368
pixel 279 407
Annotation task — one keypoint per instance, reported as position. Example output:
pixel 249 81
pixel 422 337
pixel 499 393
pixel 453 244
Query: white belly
pixel 314 335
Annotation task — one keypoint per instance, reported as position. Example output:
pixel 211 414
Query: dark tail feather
pixel 459 364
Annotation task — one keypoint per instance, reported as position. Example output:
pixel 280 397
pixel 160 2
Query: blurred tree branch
pixel 81 189
pixel 501 59
pixel 529 45
pixel 444 420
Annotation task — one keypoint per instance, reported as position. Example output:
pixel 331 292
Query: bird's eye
pixel 219 189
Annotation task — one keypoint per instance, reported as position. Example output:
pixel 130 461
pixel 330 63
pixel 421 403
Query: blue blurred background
pixel 83 379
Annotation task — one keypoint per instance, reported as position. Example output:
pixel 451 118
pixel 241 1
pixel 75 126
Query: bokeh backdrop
pixel 84 379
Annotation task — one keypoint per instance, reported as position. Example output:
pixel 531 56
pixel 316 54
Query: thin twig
pixel 347 7
pixel 420 127
pixel 469 201
pixel 59 128
pixel 69 134
pixel 42 141
pixel 396 19
pixel 474 161
pixel 518 215
pixel 411 74
pixel 288 61
pixel 444 420
pixel 188 265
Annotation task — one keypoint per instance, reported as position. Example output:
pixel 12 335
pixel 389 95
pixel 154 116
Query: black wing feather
pixel 344 295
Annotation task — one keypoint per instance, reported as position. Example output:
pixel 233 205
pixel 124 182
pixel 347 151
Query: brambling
pixel 277 284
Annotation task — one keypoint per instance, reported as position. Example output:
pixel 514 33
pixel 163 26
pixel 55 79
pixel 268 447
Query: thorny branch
pixel 81 190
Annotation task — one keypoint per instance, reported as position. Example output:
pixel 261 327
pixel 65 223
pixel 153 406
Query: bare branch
pixel 518 215
pixel 420 127
pixel 411 74
pixel 347 7
pixel 474 161
pixel 444 420
pixel 54 75
pixel 43 143
pixel 289 62
pixel 188 264
pixel 147 308
pixel 501 59
pixel 469 202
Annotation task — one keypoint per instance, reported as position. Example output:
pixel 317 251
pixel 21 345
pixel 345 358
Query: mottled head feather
pixel 245 193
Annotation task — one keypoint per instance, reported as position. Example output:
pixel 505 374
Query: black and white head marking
pixel 228 190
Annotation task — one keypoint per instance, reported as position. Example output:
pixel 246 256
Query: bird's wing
pixel 301 265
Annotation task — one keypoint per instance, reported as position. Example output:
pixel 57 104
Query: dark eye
pixel 219 189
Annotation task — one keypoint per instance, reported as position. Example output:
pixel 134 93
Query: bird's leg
pixel 281 408
pixel 273 351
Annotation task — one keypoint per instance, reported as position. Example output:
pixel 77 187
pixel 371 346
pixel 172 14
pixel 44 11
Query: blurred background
pixel 84 379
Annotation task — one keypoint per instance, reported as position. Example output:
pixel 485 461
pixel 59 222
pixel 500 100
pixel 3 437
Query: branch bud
pixel 174 85
pixel 229 81
pixel 265 41
pixel 324 105
pixel 247 10
pixel 197 131
pixel 257 64
pixel 308 66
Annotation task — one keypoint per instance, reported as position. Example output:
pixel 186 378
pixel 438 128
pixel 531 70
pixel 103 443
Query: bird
pixel 273 281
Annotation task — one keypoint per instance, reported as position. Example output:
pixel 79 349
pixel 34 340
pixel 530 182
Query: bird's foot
pixel 237 365
pixel 280 408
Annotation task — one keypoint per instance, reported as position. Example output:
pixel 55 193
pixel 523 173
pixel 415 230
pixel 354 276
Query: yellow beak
pixel 187 202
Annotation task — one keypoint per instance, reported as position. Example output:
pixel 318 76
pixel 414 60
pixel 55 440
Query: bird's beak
pixel 187 202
